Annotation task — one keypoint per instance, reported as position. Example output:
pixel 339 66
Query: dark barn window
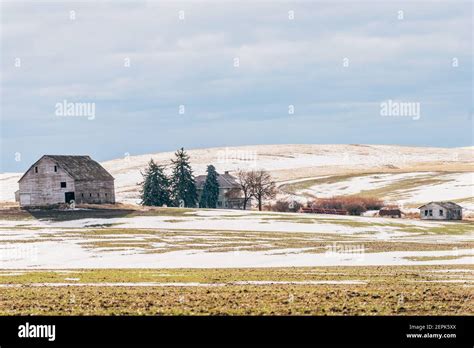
pixel 55 168
pixel 36 169
pixel 63 184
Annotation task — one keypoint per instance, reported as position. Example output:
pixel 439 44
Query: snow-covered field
pixel 219 238
pixel 223 239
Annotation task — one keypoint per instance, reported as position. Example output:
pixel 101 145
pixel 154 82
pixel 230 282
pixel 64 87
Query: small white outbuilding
pixel 441 211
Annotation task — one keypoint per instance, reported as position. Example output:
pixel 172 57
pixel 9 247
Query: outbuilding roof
pixel 446 205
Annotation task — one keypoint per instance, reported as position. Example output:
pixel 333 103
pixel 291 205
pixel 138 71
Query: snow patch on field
pixel 308 282
pixel 108 284
pixel 358 184
pixel 463 281
pixel 460 270
pixel 73 256
pixel 152 222
pixel 189 284
pixel 456 186
pixel 206 220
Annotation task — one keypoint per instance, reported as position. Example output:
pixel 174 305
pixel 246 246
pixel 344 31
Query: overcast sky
pixel 334 62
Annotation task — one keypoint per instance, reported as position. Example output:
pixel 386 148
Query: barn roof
pixel 446 205
pixel 225 181
pixel 79 167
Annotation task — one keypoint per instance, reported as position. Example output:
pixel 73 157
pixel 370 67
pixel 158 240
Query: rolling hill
pixel 399 174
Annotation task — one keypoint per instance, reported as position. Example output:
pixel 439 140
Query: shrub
pixel 284 206
pixel 373 203
pixel 354 205
pixel 412 215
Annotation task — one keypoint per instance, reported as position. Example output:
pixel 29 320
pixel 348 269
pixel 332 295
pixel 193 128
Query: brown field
pixel 416 290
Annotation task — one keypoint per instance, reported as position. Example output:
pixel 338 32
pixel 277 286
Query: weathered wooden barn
pixel 230 194
pixel 61 179
pixel 441 211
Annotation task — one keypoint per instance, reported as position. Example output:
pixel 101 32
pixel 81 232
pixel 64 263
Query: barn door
pixel 25 199
pixel 69 196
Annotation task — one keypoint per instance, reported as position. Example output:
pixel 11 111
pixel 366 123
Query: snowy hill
pixel 318 170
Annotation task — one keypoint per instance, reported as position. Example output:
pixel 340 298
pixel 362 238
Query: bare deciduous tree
pixel 261 186
pixel 245 182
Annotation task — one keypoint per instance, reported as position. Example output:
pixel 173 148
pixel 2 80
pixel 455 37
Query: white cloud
pixel 190 62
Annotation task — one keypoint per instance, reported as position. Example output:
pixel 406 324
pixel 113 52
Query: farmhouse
pixel 229 191
pixel 62 179
pixel 441 211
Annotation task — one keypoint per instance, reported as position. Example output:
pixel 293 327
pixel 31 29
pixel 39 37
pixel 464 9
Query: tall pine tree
pixel 155 186
pixel 210 191
pixel 183 184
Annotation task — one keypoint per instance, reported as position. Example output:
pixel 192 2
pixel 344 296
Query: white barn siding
pixel 95 192
pixel 53 178
pixel 44 187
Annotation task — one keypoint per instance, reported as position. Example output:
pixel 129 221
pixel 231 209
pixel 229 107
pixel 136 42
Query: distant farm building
pixel 63 179
pixel 390 212
pixel 317 210
pixel 230 194
pixel 441 211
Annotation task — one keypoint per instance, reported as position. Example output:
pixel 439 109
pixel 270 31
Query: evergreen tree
pixel 155 186
pixel 183 185
pixel 210 191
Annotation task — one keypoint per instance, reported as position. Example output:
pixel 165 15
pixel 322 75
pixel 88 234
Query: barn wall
pixel 44 187
pixel 96 192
